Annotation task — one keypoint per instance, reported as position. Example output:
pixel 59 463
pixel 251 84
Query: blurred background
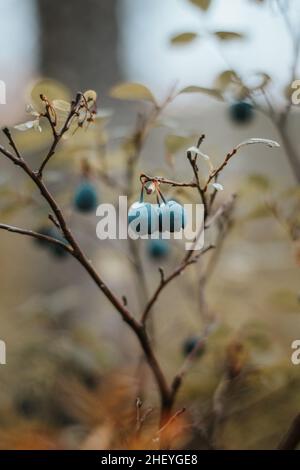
pixel 73 369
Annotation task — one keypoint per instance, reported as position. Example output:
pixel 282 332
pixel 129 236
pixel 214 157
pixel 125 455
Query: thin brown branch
pixel 160 179
pixel 11 142
pixel 290 150
pixel 37 235
pixel 226 207
pixel 178 379
pixel 171 420
pixel 77 253
pixel 57 136
pixel 291 439
pixel 164 281
pixel 193 163
pixel 215 173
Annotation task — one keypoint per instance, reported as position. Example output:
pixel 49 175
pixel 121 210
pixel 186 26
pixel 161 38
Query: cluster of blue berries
pixel 167 216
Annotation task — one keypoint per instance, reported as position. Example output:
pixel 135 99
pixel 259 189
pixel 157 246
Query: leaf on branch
pixel 175 143
pixel 62 109
pixel 90 96
pixel 131 91
pixel 25 126
pixel 61 105
pixel 202 4
pixel 52 89
pixel 228 35
pixel 224 79
pixel 183 38
pixel 218 186
pixel 206 91
pixel 258 140
pixel 198 152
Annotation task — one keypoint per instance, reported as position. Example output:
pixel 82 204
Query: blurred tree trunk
pixel 78 41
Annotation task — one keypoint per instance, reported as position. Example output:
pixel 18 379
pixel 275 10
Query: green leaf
pixel 202 4
pixel 131 91
pixel 183 38
pixel 206 91
pixel 228 35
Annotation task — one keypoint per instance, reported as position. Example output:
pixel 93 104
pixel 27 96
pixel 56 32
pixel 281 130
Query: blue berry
pixel 241 112
pixel 27 406
pixel 158 248
pixel 143 218
pixel 48 231
pixel 86 198
pixel 172 217
pixel 56 250
pixel 189 345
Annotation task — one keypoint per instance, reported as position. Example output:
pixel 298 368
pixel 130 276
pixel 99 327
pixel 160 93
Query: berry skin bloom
pixel 241 112
pixel 172 217
pixel 86 197
pixel 143 218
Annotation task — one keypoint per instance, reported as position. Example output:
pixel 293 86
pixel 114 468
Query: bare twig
pixel 75 105
pixel 78 254
pixel 215 173
pixel 170 421
pixel 164 281
pixel 193 163
pixel 177 381
pixel 292 437
pixel 37 235
pixel 160 179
